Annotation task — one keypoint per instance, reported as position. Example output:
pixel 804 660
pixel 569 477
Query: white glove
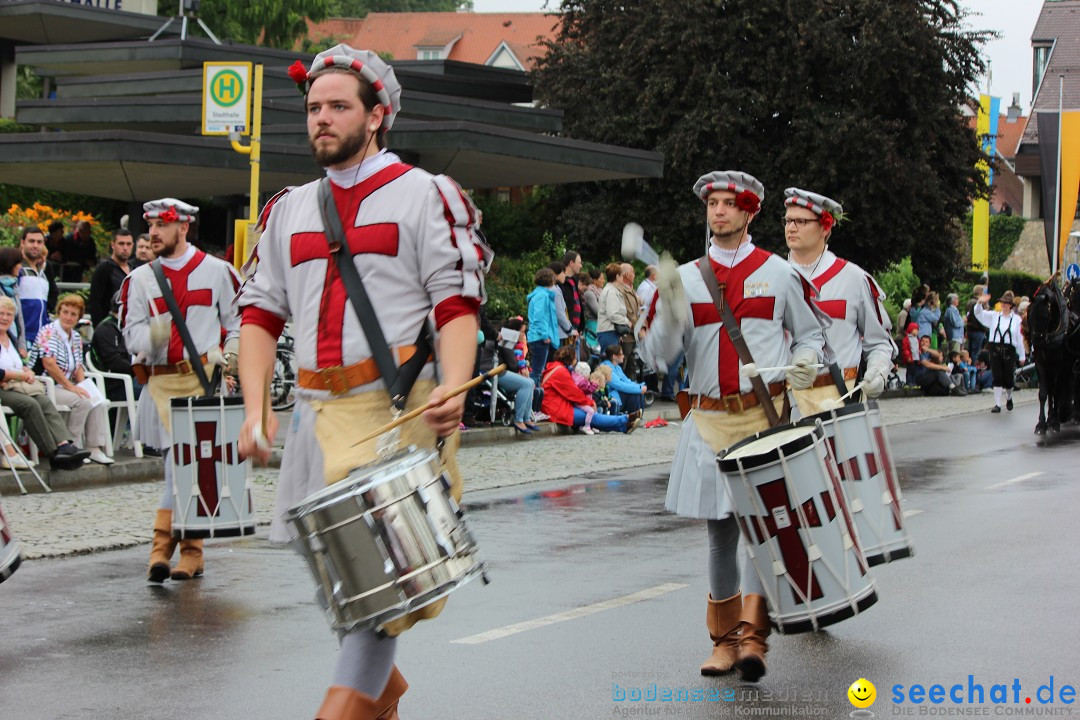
pixel 160 330
pixel 803 373
pixel 669 287
pixel 232 354
pixel 878 367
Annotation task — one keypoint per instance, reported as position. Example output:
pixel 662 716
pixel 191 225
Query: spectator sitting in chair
pixel 21 391
pixel 562 396
pixel 59 347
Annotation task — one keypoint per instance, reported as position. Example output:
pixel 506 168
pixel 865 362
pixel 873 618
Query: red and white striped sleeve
pixel 453 255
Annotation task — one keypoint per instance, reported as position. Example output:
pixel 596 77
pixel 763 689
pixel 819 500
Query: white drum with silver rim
pixel 790 506
pixel 211 483
pixel 385 541
pixel 860 447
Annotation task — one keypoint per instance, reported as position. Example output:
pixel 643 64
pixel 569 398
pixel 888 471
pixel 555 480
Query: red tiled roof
pixel 1009 134
pixel 399 34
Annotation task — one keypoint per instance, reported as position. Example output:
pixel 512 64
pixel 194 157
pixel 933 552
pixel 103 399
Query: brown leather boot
pixel 344 703
pixel 753 645
pixel 191 560
pixel 161 551
pixel 722 619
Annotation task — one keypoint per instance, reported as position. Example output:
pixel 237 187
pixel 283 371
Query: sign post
pixel 229 90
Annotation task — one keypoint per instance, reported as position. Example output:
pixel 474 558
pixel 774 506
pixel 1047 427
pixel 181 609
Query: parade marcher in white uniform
pixel 859 326
pixel 416 246
pixel 1005 343
pixel 771 305
pixel 204 288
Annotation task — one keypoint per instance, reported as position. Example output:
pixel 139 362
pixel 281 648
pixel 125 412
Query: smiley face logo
pixel 862 693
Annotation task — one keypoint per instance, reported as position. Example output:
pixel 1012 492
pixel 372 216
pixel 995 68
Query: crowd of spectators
pixel 944 352
pixel 43 335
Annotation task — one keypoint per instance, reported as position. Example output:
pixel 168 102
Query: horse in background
pixel 1048 325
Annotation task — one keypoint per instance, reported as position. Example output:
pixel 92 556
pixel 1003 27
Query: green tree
pixel 856 99
pixel 270 22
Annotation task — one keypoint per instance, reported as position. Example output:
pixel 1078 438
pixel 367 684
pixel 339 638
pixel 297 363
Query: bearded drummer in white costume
pixel 204 287
pixel 415 244
pixel 849 296
pixel 771 304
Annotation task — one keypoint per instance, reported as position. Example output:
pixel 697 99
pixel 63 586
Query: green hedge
pixel 1004 234
pixel 1021 283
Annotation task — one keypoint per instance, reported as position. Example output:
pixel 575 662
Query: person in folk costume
pixel 414 235
pixel 1005 344
pixel 205 288
pixel 772 307
pixel 860 326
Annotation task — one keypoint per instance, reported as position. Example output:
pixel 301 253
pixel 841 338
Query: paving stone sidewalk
pixel 103 518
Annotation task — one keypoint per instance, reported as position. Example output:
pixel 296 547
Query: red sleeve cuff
pixel 455 307
pixel 265 319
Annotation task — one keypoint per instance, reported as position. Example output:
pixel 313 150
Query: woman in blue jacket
pixel 543 335
pixel 628 395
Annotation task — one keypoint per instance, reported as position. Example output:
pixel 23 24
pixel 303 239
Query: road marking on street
pixel 1018 479
pixel 507 630
pixel 912 513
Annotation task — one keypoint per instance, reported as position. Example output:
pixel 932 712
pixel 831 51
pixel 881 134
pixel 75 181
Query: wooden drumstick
pixel 497 370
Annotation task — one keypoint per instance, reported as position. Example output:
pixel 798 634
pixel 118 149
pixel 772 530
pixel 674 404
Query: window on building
pixel 1038 66
pixel 429 54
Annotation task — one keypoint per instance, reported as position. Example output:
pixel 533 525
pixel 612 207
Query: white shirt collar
pixel 358 173
pixel 177 263
pixel 822 263
pixel 731 258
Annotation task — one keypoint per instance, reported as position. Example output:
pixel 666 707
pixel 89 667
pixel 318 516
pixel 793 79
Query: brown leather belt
pixel 733 404
pixel 339 380
pixel 826 379
pixel 181 368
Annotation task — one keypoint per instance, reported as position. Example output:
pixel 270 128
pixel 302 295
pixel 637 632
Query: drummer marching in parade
pixel 860 327
pixel 766 300
pixel 411 239
pixel 170 350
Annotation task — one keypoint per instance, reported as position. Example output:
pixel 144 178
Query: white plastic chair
pixel 125 409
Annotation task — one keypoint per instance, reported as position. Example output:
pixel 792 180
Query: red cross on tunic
pixel 206 454
pixel 185 298
pixel 836 309
pixel 379 238
pixel 782 522
pixel 731 281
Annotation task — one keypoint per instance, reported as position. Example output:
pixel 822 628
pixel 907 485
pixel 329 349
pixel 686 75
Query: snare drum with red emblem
pixel 789 503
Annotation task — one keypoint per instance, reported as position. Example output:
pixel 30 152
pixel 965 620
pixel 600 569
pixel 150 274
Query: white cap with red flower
pixel 749 192
pixel 828 210
pixel 365 64
pixel 169 210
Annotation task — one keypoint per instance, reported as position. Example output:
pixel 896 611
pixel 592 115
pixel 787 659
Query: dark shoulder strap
pixel 734 332
pixel 181 327
pixel 398 381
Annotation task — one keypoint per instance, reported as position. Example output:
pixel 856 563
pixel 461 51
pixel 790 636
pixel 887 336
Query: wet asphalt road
pixel 992 592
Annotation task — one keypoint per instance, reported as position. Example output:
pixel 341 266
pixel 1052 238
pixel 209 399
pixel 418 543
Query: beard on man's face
pixel 349 146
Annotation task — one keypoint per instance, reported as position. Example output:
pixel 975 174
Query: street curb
pixel 129 469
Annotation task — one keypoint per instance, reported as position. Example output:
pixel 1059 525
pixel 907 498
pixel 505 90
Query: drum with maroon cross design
pixel 790 506
pixel 860 448
pixel 211 487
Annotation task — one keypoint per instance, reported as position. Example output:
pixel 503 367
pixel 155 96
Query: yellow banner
pixel 1070 176
pixel 980 209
